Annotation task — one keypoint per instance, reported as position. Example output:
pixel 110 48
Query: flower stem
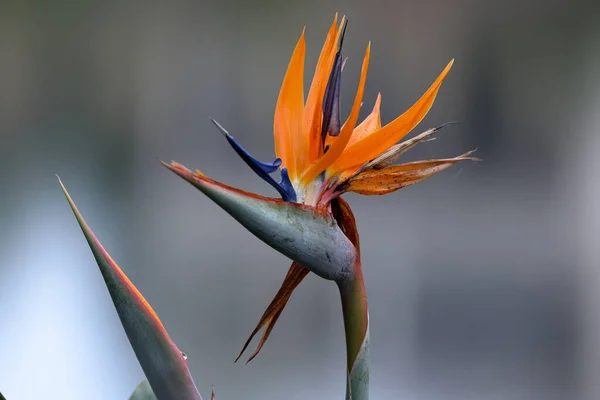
pixel 356 325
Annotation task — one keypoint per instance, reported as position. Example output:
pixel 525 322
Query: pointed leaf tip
pixel 165 368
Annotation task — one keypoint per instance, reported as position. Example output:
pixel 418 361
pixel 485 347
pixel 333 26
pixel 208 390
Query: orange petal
pixel 394 152
pixel 293 278
pixel 340 143
pixel 314 102
pixel 390 179
pixel 291 144
pixel 369 125
pixel 382 139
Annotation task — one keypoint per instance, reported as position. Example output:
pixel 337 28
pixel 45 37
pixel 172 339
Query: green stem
pixel 356 325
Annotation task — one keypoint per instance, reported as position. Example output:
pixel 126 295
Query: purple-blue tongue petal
pixel 286 185
pixel 262 169
pixel 331 102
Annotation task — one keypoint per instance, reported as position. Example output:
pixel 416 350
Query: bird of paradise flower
pixel 320 158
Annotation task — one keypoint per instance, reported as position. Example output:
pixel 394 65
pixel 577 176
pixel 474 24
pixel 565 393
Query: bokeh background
pixel 483 282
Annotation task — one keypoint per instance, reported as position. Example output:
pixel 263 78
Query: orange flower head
pixel 318 156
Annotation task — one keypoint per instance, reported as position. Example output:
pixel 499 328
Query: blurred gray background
pixel 483 282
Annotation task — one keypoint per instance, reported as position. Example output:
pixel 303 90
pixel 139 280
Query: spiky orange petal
pixel 314 102
pixel 382 139
pixel 291 143
pixel 340 143
pixel 369 124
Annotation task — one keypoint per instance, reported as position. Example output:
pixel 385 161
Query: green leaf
pixel 2 397
pixel 311 237
pixel 162 362
pixel 143 392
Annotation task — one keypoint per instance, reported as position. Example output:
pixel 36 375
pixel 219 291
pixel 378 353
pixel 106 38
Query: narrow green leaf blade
pixel 2 397
pixel 143 392
pixel 162 362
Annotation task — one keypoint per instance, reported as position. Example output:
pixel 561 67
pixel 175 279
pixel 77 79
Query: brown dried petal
pixel 390 179
pixel 295 275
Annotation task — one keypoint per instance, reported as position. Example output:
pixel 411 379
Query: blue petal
pixel 262 169
pixel 331 102
pixel 287 186
pixel 257 166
